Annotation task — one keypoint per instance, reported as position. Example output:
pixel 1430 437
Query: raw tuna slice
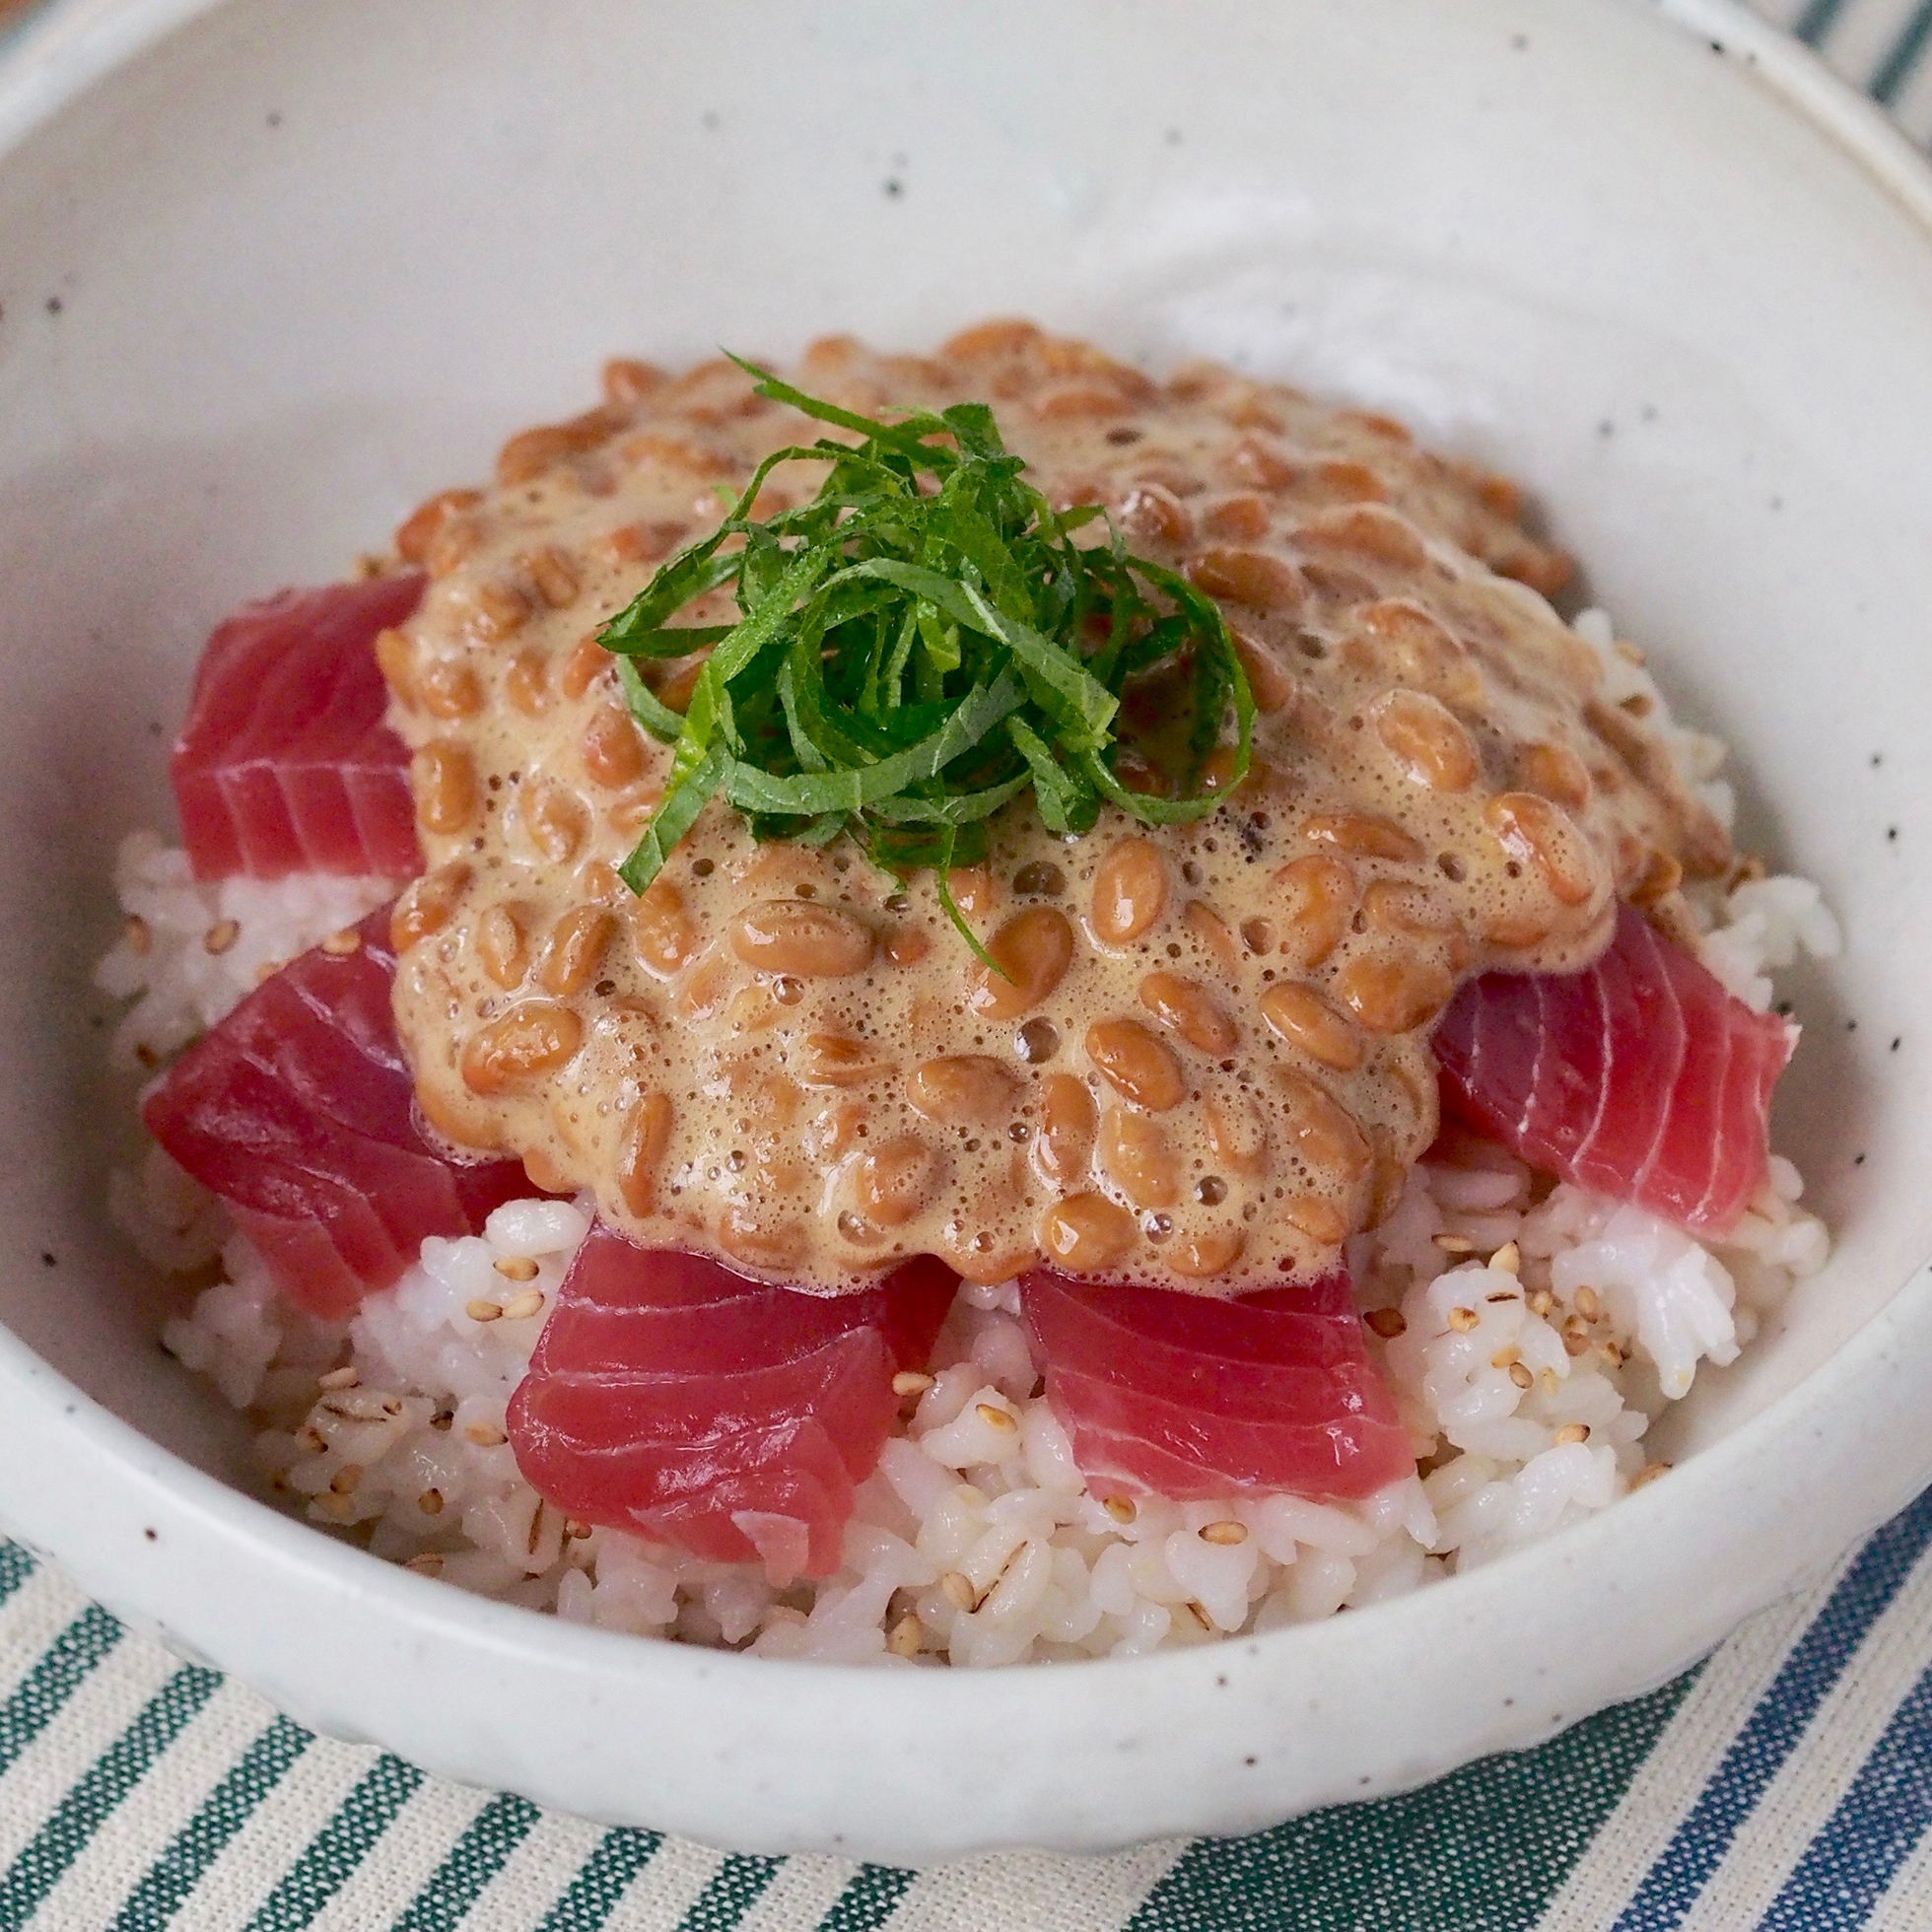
pixel 299 1110
pixel 1197 1399
pixel 285 764
pixel 674 1398
pixel 1640 1077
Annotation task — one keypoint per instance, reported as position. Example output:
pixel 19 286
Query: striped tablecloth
pixel 1785 1783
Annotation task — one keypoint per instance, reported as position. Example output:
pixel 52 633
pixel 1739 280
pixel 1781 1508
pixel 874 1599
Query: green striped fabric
pixel 370 1840
pixel 158 1897
pixel 1785 1784
pixel 1509 1827
pixel 338 1846
pixel 136 1792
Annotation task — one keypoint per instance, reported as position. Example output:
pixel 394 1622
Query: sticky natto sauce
pixel 1211 1063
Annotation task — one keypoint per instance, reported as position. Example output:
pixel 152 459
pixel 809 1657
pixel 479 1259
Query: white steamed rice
pixel 1532 1336
pixel 191 948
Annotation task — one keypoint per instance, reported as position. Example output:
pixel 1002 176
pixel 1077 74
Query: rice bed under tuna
pixel 1532 1336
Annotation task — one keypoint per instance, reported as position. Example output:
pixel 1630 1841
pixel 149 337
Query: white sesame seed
pixel 347 1406
pixel 1388 1323
pixel 341 944
pixel 907 1635
pixel 1519 1374
pixel 483 1311
pixel 429 1502
pixel 521 1307
pixel 345 1479
pixel 516 1268
pixel 1455 1244
pixel 221 935
pixel 1572 1432
pixel 340 1378
pixel 909 1382
pixel 1508 1258
pixel 486 1435
pixel 429 1563
pixel 1649 1473
pixel 1120 1509
pixel 1587 1304
pixel 1462 1320
pixel 997 1419
pixel 1226 1530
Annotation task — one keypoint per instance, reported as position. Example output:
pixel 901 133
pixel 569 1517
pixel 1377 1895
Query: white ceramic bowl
pixel 271 271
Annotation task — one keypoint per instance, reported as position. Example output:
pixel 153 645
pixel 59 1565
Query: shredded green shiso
pixel 916 646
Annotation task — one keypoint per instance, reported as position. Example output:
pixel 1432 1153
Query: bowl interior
pixel 297 267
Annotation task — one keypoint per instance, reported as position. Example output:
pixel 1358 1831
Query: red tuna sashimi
pixel 676 1399
pixel 285 764
pixel 299 1110
pixel 1641 1077
pixel 1198 1399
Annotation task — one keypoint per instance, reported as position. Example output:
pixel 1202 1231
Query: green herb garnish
pixel 915 648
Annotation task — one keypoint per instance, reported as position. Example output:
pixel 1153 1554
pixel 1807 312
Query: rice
pixel 1697 755
pixel 1532 1335
pixel 191 948
pixel 977 1544
pixel 1766 925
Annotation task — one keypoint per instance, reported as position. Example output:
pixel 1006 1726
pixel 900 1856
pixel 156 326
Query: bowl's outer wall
pixel 296 266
